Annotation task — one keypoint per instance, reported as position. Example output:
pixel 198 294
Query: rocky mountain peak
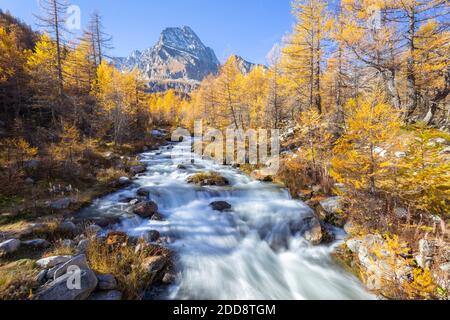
pixel 178 56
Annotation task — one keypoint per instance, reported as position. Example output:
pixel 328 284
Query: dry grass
pixel 110 175
pixel 17 280
pixel 124 262
pixel 60 250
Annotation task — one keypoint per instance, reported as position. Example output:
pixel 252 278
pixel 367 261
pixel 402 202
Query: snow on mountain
pixel 179 55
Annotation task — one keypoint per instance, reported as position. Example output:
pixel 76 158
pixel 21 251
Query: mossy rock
pixel 208 179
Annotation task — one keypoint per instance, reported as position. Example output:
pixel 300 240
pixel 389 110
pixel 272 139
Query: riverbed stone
pixel 146 209
pixel 106 282
pixel 37 244
pixel 124 181
pixel 9 246
pixel 221 206
pixel 137 170
pixel 67 227
pixel 151 236
pixel 62 288
pixel 208 179
pixel 313 233
pixel 169 278
pixel 41 277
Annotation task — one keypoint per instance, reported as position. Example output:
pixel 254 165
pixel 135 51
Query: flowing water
pixel 249 253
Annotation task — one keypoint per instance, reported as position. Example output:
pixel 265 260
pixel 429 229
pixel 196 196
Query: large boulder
pixel 310 228
pixel 221 206
pixel 106 282
pixel 9 246
pixel 51 262
pixel 146 209
pixel 78 261
pixel 65 287
pixel 112 295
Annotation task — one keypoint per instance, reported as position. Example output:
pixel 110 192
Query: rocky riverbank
pixel 36 249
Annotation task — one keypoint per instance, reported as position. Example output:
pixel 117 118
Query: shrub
pixel 124 261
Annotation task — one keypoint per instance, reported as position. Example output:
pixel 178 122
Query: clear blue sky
pixel 246 27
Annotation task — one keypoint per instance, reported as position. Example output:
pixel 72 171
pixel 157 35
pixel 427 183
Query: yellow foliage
pixel 422 286
pixel 362 157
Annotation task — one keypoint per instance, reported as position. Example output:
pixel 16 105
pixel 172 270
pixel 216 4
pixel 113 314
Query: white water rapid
pixel 230 255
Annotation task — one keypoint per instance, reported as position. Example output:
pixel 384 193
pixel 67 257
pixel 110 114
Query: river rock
pixel 124 181
pixel 67 227
pixel 137 170
pixel 154 265
pixel 221 206
pixel 37 244
pixel 309 227
pixel 51 262
pixel 169 278
pixel 105 222
pixel 208 179
pixel 61 289
pixel 157 217
pixel 9 246
pixel 112 295
pixel 146 209
pixel 106 282
pixel 78 261
pixel 313 233
pixel 41 278
pixel 152 236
